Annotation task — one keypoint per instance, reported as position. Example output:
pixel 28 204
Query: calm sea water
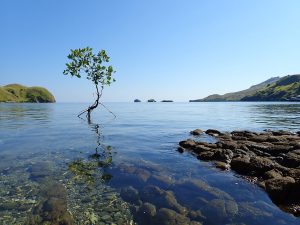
pixel 136 162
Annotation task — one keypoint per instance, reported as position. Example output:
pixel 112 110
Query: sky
pixel 161 49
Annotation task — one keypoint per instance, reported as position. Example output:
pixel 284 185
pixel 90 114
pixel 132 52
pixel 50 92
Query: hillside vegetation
pixel 20 93
pixel 237 96
pixel 287 88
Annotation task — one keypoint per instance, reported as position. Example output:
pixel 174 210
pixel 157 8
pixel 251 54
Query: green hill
pixel 237 96
pixel 285 89
pixel 20 93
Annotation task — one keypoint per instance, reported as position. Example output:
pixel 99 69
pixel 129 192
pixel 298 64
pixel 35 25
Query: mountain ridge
pixel 262 91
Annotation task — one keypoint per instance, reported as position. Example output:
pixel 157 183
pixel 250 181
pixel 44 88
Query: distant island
pixel 20 93
pixel 286 88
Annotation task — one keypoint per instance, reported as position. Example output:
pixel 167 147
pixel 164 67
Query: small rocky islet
pixel 270 159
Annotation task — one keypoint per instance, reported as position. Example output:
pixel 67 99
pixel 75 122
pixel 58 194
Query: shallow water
pixel 126 170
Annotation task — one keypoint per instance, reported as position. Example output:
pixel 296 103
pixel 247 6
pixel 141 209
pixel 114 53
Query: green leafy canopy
pixel 84 61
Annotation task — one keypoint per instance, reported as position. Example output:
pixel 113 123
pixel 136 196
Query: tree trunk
pixel 93 106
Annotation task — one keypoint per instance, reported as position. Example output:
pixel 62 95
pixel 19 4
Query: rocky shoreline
pixel 270 159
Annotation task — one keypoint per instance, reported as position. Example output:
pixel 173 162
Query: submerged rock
pixel 170 217
pixel 146 214
pixel 162 199
pixel 130 195
pixel 40 170
pixel 220 211
pixel 52 208
pixel 197 193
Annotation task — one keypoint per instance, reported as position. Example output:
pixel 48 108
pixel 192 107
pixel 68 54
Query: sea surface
pixel 55 166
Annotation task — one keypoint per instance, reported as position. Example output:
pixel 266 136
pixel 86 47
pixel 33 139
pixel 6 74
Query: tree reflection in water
pixel 97 164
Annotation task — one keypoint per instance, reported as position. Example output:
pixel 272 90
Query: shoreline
pixel 270 159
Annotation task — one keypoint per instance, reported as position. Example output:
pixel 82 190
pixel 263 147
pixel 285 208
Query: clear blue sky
pixel 162 49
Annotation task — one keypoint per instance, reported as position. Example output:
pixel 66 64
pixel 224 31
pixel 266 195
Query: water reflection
pixel 286 116
pixel 14 116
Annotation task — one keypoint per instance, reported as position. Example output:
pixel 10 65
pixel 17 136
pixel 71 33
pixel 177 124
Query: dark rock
pixel 223 155
pixel 294 173
pixel 295 195
pixel 271 174
pixel 246 134
pixel 208 145
pixel 258 139
pixel 222 165
pixel 281 132
pixel 206 155
pixel 232 145
pixel 224 136
pixel 275 139
pixel 180 149
pixel 260 165
pixel 241 151
pixel 295 144
pixel 213 132
pixel 197 132
pixel 201 148
pixel 239 138
pixel 279 188
pixel 151 100
pixel 137 100
pixel 279 148
pixel 254 146
pixel 188 144
pixel 241 164
pixel 292 159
